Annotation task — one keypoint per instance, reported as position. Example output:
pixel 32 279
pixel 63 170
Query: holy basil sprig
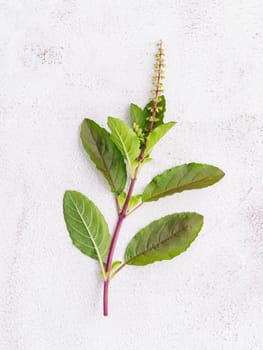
pixel 124 150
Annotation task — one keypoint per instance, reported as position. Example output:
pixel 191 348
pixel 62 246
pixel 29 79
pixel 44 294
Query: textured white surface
pixel 63 60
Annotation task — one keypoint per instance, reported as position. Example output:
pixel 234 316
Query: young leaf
pixel 134 201
pixel 104 153
pixel 163 239
pixel 121 198
pixel 161 107
pixel 156 135
pixel 126 140
pixel 180 178
pixel 86 225
pixel 114 266
pixel 138 116
pixel 147 159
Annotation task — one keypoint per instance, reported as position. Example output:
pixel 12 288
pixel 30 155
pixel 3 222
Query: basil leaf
pixel 134 201
pixel 86 225
pixel 105 154
pixel 163 239
pixel 126 140
pixel 180 178
pixel 121 199
pixel 156 135
pixel 115 264
pixel 138 116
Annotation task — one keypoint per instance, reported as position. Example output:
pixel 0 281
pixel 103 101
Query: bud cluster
pixel 138 131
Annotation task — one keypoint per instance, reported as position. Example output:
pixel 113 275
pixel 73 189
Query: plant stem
pixel 123 212
pixel 115 236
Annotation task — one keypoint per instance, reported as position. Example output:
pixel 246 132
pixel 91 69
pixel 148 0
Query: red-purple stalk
pixel 123 212
pixel 115 236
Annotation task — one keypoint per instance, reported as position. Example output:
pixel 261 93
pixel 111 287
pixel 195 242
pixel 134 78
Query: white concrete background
pixel 64 60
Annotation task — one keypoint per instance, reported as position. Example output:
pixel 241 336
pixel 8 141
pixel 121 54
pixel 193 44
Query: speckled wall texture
pixel 62 60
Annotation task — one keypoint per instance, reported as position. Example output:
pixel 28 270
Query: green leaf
pixel 104 153
pixel 180 178
pixel 126 140
pixel 138 116
pixel 156 135
pixel 163 239
pixel 147 159
pixel 161 105
pixel 134 201
pixel 115 264
pixel 86 225
pixel 121 199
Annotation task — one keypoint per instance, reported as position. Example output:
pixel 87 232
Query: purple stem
pixel 115 236
pixel 123 212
